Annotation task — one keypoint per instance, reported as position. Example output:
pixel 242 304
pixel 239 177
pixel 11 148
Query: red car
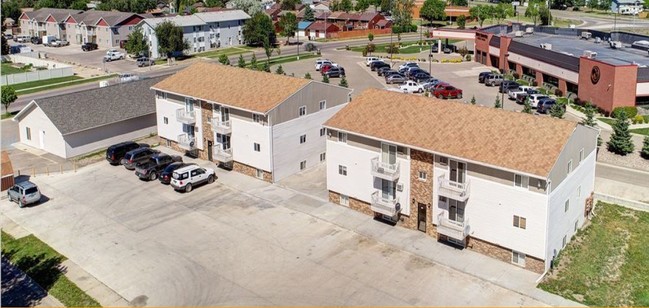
pixel 447 91
pixel 325 68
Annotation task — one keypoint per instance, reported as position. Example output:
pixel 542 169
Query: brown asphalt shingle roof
pixel 236 87
pixel 511 140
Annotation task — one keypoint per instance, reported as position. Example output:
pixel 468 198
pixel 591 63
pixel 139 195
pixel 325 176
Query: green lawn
pixel 607 263
pixel 608 121
pixel 40 262
pixel 31 84
pixel 284 59
pixel 412 47
pixel 641 131
pixel 76 81
pixel 8 69
pixel 225 51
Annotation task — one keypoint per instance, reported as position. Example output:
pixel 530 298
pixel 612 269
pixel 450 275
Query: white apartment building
pixel 260 124
pixel 510 185
pixel 204 31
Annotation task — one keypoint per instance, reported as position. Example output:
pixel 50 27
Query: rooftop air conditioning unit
pixel 546 46
pixel 529 30
pixel 590 54
pixel 519 33
pixel 586 35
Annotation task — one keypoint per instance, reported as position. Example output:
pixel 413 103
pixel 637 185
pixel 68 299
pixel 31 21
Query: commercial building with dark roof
pixel 74 124
pixel 607 69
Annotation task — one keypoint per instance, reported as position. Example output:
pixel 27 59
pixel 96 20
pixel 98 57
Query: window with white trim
pixel 303 165
pixel 323 156
pixel 28 132
pixel 302 139
pixel 581 154
pixel 323 105
pixel 521 181
pixel 342 170
pixel 302 111
pixel 569 166
pixel 518 258
pixel 520 222
pixel 342 137
pixel 257 147
pixel 422 176
pixel 323 131
pixel 566 206
pixel 344 200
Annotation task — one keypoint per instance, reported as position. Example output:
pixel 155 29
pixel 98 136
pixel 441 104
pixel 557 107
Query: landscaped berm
pixel 608 262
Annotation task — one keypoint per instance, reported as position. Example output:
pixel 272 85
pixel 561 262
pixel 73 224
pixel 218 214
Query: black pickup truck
pixel 150 169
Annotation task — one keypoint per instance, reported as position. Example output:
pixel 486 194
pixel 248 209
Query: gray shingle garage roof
pixel 84 110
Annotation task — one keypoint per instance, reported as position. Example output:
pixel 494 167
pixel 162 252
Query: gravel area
pixel 633 160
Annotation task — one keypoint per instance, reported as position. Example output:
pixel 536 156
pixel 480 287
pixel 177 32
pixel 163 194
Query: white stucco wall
pixel 359 182
pixel 490 210
pixel 36 120
pixel 173 128
pixel 287 150
pixel 244 135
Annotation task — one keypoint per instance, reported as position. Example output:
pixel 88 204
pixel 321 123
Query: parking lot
pixel 239 241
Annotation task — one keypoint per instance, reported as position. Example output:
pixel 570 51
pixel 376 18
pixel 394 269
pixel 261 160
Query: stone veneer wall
pixel 354 204
pixel 251 171
pixel 420 191
pixel 504 254
pixel 174 146
pixel 208 134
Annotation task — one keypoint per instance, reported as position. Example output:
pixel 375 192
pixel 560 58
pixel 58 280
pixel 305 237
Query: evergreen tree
pixel 589 120
pixel 325 78
pixel 242 62
pixel 279 70
pixel 253 62
pixel 223 59
pixel 620 142
pixel 266 67
pixel 498 104
pixel 307 76
pixel 645 148
pixel 527 107
pixel 308 14
pixel 557 110
pixel 473 100
pixel 343 82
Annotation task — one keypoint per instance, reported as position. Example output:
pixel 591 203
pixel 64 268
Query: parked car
pixel 379 64
pixel 385 72
pixel 408 64
pixel 36 40
pixel 411 87
pixel 325 67
pixel 59 43
pixel 512 93
pixel 430 83
pixel 506 85
pixel 150 169
pixel 482 76
pixel 116 152
pixel 414 70
pixel 369 60
pixel 22 39
pixel 89 46
pixel 545 104
pixel 335 72
pixel 113 55
pixel 372 62
pixel 144 61
pixel 167 172
pixel 133 157
pixel 420 77
pixel 395 78
pixel 521 98
pixel 320 62
pixel 535 98
pixel 447 92
pixel 184 179
pixel 493 80
pixel 24 193
pixel 8 36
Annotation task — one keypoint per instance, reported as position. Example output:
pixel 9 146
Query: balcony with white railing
pixel 224 156
pixel 187 142
pixel 186 117
pixel 454 229
pixel 384 170
pixel 386 206
pixel 453 189
pixel 221 127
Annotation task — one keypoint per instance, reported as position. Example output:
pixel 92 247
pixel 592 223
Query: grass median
pixel 606 263
pixel 50 85
pixel 40 262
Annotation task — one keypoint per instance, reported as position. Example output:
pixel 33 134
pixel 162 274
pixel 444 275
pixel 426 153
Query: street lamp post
pixel 298 42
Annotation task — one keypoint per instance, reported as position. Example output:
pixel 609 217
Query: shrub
pixel 558 92
pixel 468 57
pixel 638 119
pixel 392 48
pixel 364 52
pixel 516 75
pixel 370 47
pixel 630 111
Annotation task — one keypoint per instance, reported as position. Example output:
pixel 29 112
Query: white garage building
pixel 78 123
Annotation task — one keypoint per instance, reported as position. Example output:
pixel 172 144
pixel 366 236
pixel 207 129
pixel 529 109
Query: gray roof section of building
pixel 548 56
pixel 643 74
pixel 92 17
pixel 221 16
pixel 58 14
pixel 84 110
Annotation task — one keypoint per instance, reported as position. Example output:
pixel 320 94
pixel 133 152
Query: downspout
pixel 548 187
pixel 272 157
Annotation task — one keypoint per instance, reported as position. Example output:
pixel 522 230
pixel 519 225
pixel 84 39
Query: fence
pixel 33 172
pixel 360 33
pixel 54 70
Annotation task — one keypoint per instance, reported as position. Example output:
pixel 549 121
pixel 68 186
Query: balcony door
pixel 223 113
pixel 456 210
pixel 388 153
pixel 188 129
pixel 189 105
pixel 457 171
pixel 388 189
pixel 223 141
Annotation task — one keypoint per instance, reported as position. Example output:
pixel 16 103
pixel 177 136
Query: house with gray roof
pixel 78 123
pixel 204 31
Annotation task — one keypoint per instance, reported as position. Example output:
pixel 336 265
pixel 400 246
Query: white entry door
pixel 41 135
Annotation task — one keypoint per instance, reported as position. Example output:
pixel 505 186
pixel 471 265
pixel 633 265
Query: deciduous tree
pixel 258 28
pixel 433 10
pixel 288 23
pixel 8 96
pixel 170 39
pixel 136 44
pixel 480 12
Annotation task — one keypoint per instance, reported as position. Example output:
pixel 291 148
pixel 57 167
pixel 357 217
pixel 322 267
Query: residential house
pixel 302 27
pixel 45 21
pixel 6 171
pixel 204 31
pixel 106 29
pixel 354 21
pixel 263 125
pixel 320 29
pixel 91 120
pixel 510 185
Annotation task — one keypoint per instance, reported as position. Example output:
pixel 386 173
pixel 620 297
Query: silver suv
pixel 184 179
pixel 493 80
pixel 24 193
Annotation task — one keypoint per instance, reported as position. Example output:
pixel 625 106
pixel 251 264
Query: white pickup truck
pixel 113 55
pixel 411 87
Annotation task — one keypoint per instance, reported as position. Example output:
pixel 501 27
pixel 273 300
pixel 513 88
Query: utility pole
pixel 298 43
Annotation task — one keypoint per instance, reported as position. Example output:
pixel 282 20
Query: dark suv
pixel 482 76
pixel 149 170
pixel 116 152
pixel 507 85
pixel 377 65
pixel 165 175
pixel 137 156
pixel 89 46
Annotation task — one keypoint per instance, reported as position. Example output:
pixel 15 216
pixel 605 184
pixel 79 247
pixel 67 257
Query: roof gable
pixel 102 22
pixel 509 140
pixel 50 19
pixel 236 87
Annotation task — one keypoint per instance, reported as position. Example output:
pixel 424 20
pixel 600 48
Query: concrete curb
pixel 634 205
